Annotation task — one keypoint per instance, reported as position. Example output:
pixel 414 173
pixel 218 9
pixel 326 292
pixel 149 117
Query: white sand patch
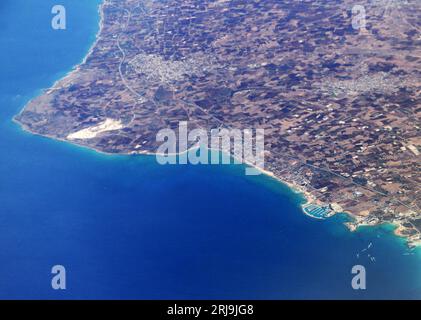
pixel 414 149
pixel 92 132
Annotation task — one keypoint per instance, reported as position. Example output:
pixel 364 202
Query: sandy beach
pixel 92 132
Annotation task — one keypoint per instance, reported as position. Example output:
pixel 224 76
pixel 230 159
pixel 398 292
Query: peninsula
pixel 340 105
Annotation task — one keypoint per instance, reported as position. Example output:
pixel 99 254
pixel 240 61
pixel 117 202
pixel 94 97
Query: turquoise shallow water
pixel 126 227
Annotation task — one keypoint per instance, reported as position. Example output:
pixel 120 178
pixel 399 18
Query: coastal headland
pixel 340 106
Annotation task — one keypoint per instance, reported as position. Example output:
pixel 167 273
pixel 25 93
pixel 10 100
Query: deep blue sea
pixel 126 227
